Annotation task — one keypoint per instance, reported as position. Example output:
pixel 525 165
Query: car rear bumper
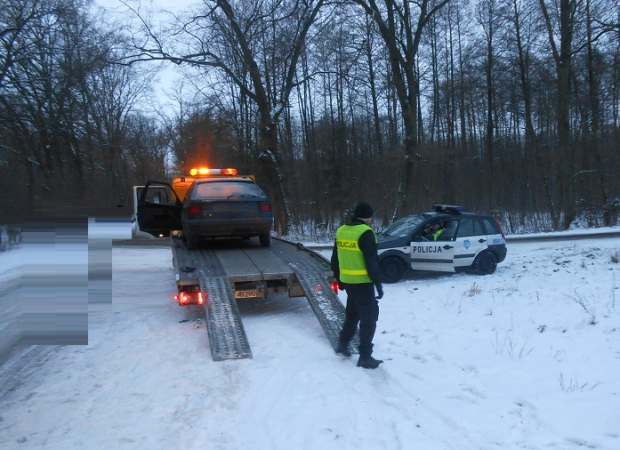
pixel 200 228
pixel 500 251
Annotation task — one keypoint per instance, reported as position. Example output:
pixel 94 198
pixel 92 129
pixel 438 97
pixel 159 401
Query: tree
pixel 563 58
pixel 257 45
pixel 402 34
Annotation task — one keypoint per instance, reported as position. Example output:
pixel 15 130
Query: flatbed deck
pixel 223 272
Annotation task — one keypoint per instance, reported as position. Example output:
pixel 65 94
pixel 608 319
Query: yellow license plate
pixel 249 293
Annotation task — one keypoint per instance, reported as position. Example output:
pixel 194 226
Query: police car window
pixel 467 227
pixel 449 230
pixel 402 227
pixel 478 227
pixel 490 226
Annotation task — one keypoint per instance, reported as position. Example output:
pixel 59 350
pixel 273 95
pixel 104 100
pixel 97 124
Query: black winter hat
pixel 363 211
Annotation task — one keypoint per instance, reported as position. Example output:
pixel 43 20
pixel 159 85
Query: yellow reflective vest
pixel 352 264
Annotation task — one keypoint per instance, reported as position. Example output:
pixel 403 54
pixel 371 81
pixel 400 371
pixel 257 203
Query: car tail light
pixel 194 209
pixel 200 301
pixel 264 206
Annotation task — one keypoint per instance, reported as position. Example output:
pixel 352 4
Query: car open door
pixel 158 208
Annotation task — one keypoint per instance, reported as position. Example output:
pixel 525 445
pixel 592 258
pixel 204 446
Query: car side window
pixel 450 228
pixel 490 227
pixel 467 227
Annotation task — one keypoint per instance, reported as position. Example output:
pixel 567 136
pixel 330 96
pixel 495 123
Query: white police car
pixel 449 239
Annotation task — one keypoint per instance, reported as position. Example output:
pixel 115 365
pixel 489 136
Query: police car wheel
pixel 485 263
pixel 392 269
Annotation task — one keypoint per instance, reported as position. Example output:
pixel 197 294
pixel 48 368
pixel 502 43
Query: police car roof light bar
pixel 450 209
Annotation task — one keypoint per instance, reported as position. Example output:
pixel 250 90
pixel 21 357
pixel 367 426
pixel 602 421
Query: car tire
pixel 265 239
pixel 392 269
pixel 190 242
pixel 485 263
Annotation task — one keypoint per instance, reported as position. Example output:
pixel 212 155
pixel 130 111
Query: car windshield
pixel 402 227
pixel 227 189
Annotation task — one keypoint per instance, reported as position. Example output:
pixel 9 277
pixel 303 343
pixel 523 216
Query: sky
pixel 526 358
pixel 168 76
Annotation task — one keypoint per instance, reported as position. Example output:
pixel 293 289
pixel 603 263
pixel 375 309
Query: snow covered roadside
pixel 526 358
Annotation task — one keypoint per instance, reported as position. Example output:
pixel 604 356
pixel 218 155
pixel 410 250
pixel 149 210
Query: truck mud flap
pixel 227 336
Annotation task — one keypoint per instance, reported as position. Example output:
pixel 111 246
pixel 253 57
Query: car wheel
pixel 190 242
pixel 485 263
pixel 265 239
pixel 392 269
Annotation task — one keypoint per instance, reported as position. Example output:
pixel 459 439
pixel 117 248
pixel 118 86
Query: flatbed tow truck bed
pixel 223 273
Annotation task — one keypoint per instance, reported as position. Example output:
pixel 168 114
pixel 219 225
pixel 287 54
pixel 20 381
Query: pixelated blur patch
pixel 68 266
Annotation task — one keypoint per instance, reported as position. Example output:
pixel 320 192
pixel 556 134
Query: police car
pixel 448 239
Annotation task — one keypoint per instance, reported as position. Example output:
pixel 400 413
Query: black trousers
pixel 363 308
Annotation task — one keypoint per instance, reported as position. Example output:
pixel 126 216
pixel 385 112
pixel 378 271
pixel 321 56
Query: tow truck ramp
pixel 226 333
pixel 223 274
pixel 313 276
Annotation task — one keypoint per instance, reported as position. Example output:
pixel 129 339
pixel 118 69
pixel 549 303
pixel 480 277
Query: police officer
pixel 438 230
pixel 434 231
pixel 356 266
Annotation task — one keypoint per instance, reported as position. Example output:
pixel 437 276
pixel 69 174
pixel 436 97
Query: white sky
pixel 168 78
pixel 506 361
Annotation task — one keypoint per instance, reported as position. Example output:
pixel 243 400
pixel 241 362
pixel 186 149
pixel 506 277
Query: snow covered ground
pixel 527 358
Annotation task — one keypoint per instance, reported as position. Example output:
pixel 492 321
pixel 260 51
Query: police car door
pixel 437 256
pixel 470 240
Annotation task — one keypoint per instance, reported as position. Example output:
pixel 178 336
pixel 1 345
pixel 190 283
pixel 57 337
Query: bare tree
pixel 402 29
pixel 257 45
pixel 562 52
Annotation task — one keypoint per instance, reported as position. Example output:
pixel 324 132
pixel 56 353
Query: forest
pixel 510 107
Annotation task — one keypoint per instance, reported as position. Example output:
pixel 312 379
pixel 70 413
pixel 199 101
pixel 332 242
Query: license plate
pixel 249 293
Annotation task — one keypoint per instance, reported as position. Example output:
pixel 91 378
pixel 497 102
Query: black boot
pixel 343 350
pixel 368 362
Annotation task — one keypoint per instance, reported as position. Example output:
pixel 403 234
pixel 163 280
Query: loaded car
pixel 206 204
pixel 448 239
pixel 226 207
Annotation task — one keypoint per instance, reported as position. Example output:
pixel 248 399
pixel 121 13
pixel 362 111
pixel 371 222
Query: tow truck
pixel 216 275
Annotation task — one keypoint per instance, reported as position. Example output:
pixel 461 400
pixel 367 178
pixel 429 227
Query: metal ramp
pixel 312 273
pixel 227 336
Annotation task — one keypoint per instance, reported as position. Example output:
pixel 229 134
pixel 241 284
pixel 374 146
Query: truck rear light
pixel 194 209
pixel 264 206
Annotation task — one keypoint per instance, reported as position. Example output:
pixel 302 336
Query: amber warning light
pixel 206 171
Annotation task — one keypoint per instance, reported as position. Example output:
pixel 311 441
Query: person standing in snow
pixel 355 264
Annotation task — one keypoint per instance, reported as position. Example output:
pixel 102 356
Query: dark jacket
pixel 368 245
